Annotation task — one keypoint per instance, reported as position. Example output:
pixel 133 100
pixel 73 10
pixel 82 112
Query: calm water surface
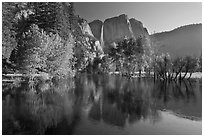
pixel 96 104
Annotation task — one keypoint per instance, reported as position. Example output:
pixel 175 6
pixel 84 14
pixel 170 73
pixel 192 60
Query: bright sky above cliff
pixel 155 16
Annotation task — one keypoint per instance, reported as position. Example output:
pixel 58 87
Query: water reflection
pixel 68 107
pixel 33 110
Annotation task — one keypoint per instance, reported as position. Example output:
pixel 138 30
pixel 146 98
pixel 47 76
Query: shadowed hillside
pixel 185 40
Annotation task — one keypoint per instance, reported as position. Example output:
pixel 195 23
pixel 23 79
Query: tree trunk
pixel 172 75
pixel 117 66
pixel 163 75
pixel 177 73
pixel 149 73
pixel 185 75
pixel 140 72
pixel 190 76
pixel 180 76
pixel 169 76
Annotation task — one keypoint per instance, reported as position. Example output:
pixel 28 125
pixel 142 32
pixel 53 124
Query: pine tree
pixel 63 20
pixel 44 15
pixel 72 16
pixel 52 17
pixel 9 12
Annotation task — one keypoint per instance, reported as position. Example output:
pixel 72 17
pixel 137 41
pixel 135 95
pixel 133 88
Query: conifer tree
pixel 9 15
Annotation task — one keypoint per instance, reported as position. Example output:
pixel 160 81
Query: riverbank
pixel 22 77
pixel 144 74
pixel 45 76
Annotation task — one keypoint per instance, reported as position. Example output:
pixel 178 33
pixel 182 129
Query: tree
pixel 50 17
pixel 163 66
pixel 59 54
pixel 47 53
pixel 65 17
pixel 178 64
pixel 10 12
pixel 200 63
pixel 140 54
pixel 53 17
pixel 115 54
pixel 29 58
pixel 45 15
pixel 191 65
pixel 72 16
pixel 85 53
pixel 88 51
pixel 130 54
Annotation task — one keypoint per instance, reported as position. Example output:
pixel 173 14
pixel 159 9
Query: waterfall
pixel 130 28
pixel 102 42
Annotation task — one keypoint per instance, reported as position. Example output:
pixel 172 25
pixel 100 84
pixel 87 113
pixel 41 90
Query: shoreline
pixel 195 75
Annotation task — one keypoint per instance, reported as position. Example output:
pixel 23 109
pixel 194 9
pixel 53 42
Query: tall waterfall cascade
pixel 102 42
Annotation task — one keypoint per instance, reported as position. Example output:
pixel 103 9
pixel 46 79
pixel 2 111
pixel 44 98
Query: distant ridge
pixel 184 40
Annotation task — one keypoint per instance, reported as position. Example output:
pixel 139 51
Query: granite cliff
pixel 96 28
pixel 138 29
pixel 117 28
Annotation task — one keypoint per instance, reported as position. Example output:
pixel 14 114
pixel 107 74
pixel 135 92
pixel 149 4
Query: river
pixel 102 104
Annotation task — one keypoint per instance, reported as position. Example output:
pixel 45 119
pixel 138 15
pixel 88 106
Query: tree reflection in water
pixel 140 99
pixel 123 100
pixel 58 107
pixel 33 110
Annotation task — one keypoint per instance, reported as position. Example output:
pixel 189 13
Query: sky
pixel 155 16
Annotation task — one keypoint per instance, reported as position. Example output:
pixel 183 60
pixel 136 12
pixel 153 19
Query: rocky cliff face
pixel 116 28
pixel 137 28
pixel 85 29
pixel 96 28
